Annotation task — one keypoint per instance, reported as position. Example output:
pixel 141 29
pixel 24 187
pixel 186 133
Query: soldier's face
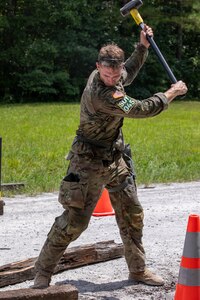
pixel 108 75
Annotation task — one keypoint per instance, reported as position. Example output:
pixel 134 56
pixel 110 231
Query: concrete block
pixel 54 292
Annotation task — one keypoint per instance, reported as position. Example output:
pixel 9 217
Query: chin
pixel 107 84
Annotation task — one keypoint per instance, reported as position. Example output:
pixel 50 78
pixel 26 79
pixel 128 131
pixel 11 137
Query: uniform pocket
pixel 72 191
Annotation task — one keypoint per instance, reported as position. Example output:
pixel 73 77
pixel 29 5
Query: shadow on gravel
pixel 87 286
pixel 88 289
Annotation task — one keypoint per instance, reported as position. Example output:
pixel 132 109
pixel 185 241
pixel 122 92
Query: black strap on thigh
pixel 128 180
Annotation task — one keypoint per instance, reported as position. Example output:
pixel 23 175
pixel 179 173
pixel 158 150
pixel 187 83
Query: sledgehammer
pixel 132 8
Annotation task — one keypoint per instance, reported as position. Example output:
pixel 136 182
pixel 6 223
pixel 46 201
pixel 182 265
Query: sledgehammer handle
pixel 160 56
pixel 161 59
pixel 139 21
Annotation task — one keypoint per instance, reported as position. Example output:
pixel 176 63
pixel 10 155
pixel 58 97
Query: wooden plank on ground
pixel 74 257
pixel 12 186
pixel 1 207
pixel 62 292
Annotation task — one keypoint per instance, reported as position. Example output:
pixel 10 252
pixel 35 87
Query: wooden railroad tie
pixel 74 257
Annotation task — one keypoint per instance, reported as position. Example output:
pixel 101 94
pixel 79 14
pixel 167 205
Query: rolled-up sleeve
pixel 134 63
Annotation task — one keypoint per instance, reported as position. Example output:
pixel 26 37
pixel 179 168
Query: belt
pixel 93 142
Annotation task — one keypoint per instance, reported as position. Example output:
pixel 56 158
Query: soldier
pixel 99 158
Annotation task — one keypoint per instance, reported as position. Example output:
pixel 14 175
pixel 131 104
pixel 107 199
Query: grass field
pixel 36 138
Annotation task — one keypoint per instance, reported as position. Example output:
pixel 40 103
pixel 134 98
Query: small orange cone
pixel 103 207
pixel 188 287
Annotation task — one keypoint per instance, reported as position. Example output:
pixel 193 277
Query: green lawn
pixel 36 138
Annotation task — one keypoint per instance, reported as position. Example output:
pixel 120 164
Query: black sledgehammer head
pixel 125 10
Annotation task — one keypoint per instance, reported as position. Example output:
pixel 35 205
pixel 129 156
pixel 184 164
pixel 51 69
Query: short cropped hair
pixel 111 55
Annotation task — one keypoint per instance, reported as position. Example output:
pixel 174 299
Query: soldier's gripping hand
pixel 143 40
pixel 177 89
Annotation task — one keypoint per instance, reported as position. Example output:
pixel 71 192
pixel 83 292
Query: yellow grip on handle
pixel 136 16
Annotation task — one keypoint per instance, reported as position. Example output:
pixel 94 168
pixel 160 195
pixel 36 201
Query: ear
pixel 97 65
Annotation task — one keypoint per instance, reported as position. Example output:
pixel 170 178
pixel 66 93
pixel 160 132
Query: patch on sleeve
pixel 117 95
pixel 126 104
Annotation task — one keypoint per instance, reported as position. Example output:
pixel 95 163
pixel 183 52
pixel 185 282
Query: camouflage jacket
pixel 103 109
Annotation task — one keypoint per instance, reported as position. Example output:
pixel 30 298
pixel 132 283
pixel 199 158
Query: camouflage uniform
pixel 97 160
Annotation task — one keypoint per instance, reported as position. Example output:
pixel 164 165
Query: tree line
pixel 49 47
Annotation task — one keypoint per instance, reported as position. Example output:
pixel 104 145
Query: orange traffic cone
pixel 188 287
pixel 103 207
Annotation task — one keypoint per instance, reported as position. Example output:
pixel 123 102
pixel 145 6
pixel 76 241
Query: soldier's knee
pixel 76 229
pixel 78 221
pixel 68 227
pixel 57 235
pixel 137 220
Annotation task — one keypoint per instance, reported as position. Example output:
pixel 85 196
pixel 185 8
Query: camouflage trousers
pixel 79 193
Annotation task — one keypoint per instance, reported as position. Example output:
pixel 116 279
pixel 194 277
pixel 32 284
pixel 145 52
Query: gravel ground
pixel 27 220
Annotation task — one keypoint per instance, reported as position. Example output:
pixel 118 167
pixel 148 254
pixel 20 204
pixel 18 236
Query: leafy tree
pixel 48 48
